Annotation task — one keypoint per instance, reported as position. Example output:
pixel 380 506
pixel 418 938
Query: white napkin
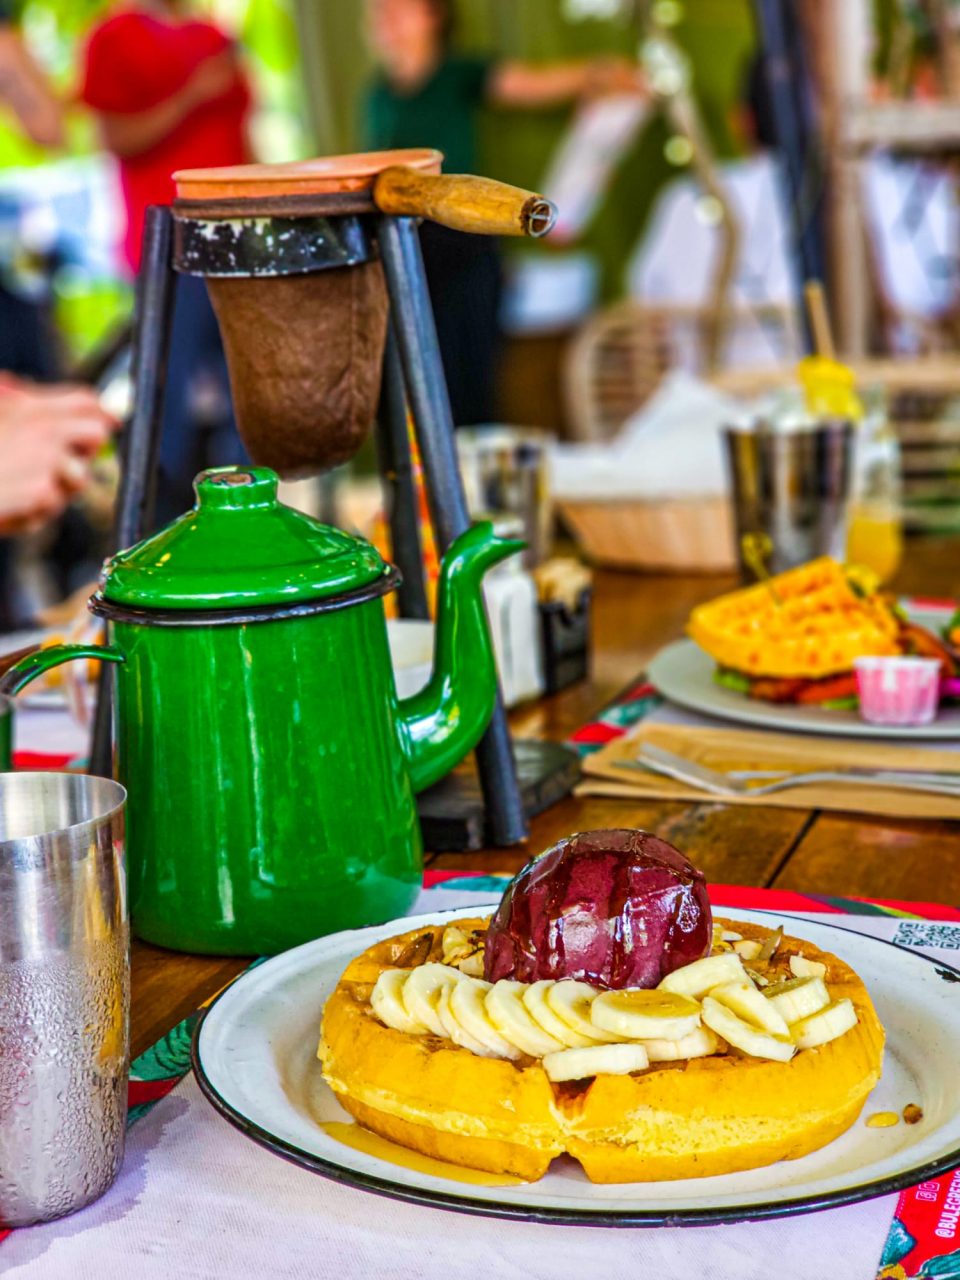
pixel 671 448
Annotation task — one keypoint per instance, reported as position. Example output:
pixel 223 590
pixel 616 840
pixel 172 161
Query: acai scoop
pixel 617 908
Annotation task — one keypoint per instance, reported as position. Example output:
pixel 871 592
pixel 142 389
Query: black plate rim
pixel 571 1217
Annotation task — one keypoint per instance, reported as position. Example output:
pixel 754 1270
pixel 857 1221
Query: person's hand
pixel 25 88
pixel 213 78
pixel 615 75
pixel 48 438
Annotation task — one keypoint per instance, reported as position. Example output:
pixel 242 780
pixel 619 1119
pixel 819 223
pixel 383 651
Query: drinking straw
pixel 819 320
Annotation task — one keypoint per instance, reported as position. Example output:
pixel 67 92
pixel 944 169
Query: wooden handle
pixel 463 203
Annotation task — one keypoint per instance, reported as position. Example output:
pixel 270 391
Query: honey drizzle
pixel 882 1120
pixel 360 1139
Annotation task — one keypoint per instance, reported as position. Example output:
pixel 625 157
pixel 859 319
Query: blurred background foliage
pixel 718 36
pixel 309 62
pixel 87 306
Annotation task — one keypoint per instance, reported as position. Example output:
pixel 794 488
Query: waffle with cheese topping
pixel 806 623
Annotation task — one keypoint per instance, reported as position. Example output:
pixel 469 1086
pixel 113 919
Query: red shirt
pixel 136 60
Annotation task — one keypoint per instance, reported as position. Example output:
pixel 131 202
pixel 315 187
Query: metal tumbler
pixel 64 992
pixel 790 485
pixel 505 470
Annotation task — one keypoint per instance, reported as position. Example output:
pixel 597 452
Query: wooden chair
pixel 617 360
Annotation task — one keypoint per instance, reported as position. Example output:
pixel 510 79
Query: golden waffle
pixel 685 1119
pixel 806 623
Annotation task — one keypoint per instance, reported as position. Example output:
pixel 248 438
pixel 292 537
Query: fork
pixel 657 760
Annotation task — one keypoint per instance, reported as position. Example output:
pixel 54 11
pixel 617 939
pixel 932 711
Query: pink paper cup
pixel 898 691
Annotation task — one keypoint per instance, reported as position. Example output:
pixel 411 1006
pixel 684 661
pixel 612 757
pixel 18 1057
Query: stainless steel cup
pixel 64 992
pixel 505 470
pixel 793 485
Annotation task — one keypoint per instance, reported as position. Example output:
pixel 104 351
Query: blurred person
pixel 425 95
pixel 169 93
pixel 25 88
pixel 49 437
pixel 27 346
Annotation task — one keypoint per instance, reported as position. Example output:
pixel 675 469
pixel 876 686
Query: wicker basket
pixel 614 365
pixel 676 535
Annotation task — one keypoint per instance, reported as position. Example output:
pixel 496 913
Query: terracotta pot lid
pixel 321 176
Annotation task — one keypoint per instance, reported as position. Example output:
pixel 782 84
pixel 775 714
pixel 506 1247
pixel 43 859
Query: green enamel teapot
pixel 270 765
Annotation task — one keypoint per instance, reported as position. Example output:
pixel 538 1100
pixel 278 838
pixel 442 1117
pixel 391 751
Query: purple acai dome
pixel 617 908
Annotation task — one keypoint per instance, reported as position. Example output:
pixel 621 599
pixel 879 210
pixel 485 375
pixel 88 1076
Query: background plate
pixel 254 1055
pixel 683 673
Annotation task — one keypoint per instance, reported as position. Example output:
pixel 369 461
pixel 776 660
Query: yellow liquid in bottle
pixel 875 540
pixel 360 1139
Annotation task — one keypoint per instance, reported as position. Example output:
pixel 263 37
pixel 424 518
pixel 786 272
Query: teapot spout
pixel 445 720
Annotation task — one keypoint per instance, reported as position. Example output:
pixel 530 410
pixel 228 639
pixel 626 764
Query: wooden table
pixel 832 853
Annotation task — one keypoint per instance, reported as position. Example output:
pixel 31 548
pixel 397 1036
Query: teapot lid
pixel 239 546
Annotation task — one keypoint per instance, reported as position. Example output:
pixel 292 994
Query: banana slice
pixel 421 994
pixel 695 980
pixel 797 998
pixel 386 999
pixel 468 1005
pixel 698 1044
pixel 601 1060
pixel 535 1002
pixel 801 967
pixel 512 1019
pixel 570 1001
pixel 452 1028
pixel 751 1005
pixel 743 1035
pixel 637 1014
pixel 747 948
pixel 825 1025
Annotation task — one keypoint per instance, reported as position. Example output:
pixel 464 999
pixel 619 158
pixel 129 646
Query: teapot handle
pixel 42 660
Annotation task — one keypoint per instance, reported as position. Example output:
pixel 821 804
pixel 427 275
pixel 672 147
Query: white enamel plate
pixel 254 1055
pixel 684 674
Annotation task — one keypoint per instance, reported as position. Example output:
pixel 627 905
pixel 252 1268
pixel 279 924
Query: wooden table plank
pixel 931 568
pixel 730 843
pixel 856 856
pixel 167 987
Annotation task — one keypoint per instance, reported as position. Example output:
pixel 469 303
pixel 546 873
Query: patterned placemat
pixel 618 717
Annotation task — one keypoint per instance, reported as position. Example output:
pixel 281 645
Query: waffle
pixel 686 1119
pixel 807 623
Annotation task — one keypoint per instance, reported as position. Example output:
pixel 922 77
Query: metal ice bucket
pixel 791 486
pixel 64 992
pixel 506 470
